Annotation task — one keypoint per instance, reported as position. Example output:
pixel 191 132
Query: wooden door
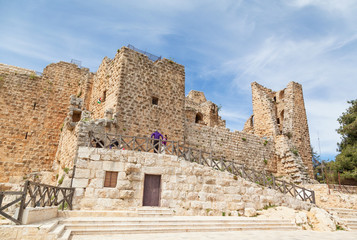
pixel 152 190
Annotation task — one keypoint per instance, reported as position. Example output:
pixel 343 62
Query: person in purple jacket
pixel 156 136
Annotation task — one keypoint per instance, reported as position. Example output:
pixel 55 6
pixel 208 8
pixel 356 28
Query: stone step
pixel 114 231
pixel 134 225
pixel 94 213
pixel 347 215
pixel 342 210
pixel 172 225
pixel 177 219
pixel 154 212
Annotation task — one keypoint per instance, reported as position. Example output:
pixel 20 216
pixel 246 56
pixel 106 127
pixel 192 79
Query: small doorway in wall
pixel 152 190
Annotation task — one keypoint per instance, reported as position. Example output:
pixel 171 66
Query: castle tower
pixel 281 116
pixel 144 95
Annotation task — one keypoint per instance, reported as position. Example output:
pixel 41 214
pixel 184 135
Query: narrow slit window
pixel 26 135
pixel 110 179
pixel 278 120
pixel 155 101
pixel 104 96
pixel 34 106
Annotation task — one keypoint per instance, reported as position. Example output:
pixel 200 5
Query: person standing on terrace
pixel 156 136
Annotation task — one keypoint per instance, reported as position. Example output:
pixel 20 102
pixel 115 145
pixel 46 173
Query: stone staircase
pixel 349 216
pixel 154 220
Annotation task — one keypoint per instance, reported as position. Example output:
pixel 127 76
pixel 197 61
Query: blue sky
pixel 224 45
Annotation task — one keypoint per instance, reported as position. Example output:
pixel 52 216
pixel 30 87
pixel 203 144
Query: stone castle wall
pixel 130 82
pixel 32 112
pixel 252 151
pixel 131 95
pixel 188 188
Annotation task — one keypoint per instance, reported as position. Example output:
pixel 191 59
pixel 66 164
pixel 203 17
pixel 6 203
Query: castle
pixel 134 96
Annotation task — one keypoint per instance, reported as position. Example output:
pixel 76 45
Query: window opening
pixel 110 179
pixel 155 101
pixel 274 99
pixel 26 135
pixel 76 117
pixel 278 120
pixel 199 118
pixel 34 106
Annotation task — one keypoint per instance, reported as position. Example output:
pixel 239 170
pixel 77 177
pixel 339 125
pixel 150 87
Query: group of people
pixel 156 136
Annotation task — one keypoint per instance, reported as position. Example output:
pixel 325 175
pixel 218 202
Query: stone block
pixel 80 182
pixel 82 173
pixel 79 192
pixel 124 184
pixel 81 163
pixel 125 194
pixel 95 165
pixel 122 175
pixel 101 193
pixel 99 174
pixel 84 153
pixel 89 192
pixel 250 212
pixel 95 157
pixel 96 183
pixel 113 166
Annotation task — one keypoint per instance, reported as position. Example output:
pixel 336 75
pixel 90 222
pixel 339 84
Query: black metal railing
pixel 152 57
pixel 36 195
pixel 182 150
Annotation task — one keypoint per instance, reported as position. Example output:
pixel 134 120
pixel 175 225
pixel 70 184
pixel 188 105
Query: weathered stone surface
pixel 178 190
pixel 321 220
pixel 80 182
pixel 249 212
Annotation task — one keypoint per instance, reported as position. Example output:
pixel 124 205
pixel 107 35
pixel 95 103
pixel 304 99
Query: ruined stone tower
pixel 281 115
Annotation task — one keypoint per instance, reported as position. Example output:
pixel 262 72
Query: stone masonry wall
pixel 32 112
pixel 188 188
pixel 241 147
pixel 131 81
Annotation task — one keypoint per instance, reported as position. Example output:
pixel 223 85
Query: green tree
pixel 346 161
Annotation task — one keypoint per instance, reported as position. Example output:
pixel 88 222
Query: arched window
pixel 199 118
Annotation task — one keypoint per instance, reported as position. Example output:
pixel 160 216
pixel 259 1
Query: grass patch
pixel 61 180
pixel 340 228
pixel 295 151
pixel 266 207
